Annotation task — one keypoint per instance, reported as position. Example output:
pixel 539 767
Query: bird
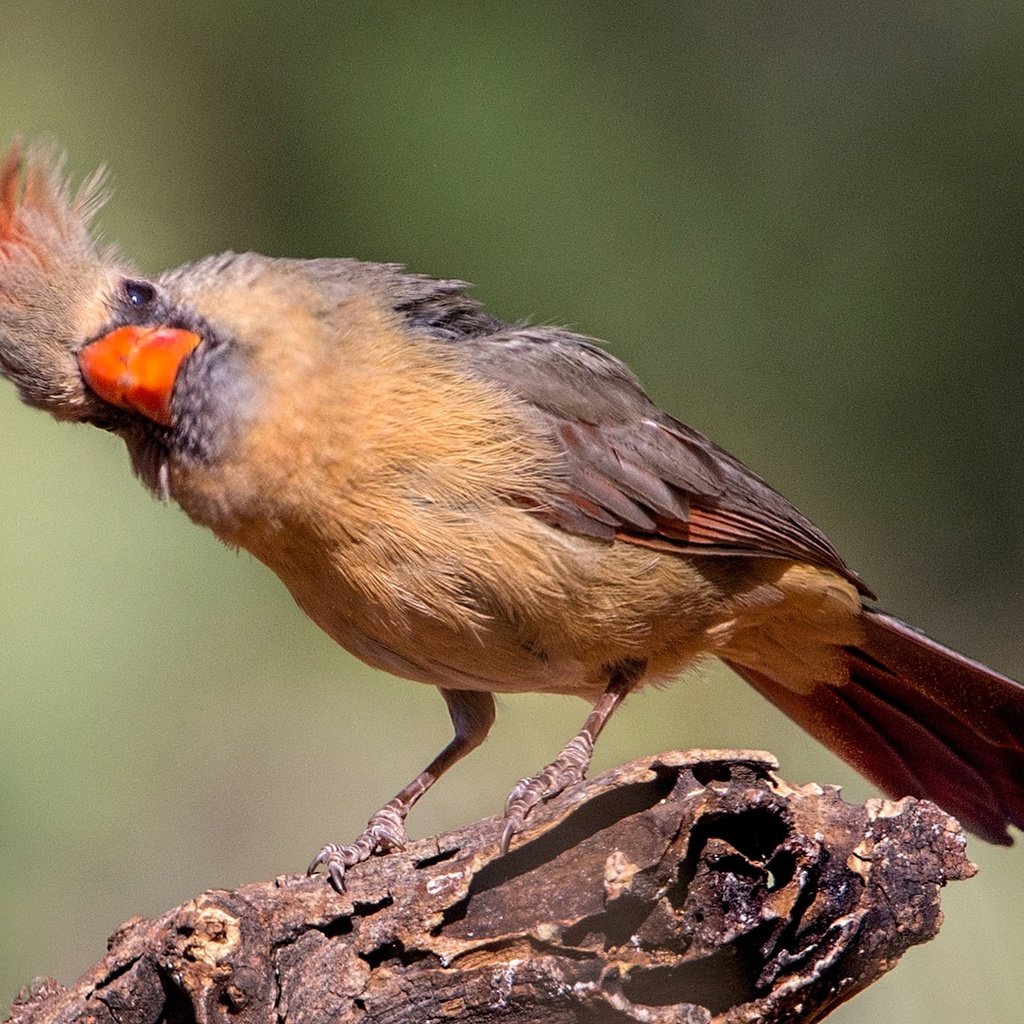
pixel 482 506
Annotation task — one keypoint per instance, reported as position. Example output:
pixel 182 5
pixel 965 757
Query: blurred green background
pixel 801 223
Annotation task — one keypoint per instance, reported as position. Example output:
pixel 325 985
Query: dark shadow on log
pixel 690 887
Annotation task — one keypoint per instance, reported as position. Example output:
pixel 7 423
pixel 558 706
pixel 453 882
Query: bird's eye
pixel 139 294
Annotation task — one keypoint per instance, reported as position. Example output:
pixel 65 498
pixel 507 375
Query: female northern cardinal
pixel 483 507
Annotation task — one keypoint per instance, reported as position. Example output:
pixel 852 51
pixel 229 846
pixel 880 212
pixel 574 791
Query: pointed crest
pixel 55 281
pixel 39 214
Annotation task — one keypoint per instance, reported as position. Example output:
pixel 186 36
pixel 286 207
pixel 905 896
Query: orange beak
pixel 136 367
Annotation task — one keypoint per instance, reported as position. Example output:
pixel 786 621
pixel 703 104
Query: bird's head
pixel 221 375
pixel 171 362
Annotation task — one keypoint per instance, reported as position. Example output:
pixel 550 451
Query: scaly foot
pixel 568 768
pixel 384 832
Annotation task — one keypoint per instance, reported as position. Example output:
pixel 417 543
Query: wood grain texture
pixel 693 887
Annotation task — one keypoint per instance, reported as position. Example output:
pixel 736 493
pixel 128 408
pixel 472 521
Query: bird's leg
pixel 572 763
pixel 472 716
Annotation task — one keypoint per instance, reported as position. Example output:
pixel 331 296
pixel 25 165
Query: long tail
pixel 918 719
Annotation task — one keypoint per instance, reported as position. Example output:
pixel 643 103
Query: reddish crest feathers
pixel 54 279
pixel 37 209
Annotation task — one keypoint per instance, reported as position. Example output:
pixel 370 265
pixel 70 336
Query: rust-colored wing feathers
pixel 631 472
pixel 659 484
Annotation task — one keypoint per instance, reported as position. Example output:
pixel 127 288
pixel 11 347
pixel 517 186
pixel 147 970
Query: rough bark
pixel 688 887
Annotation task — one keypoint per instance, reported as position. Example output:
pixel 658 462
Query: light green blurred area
pixel 800 223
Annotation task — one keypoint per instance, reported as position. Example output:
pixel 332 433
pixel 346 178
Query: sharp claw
pixel 511 827
pixel 321 858
pixel 337 873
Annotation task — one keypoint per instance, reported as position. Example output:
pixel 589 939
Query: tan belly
pixel 533 610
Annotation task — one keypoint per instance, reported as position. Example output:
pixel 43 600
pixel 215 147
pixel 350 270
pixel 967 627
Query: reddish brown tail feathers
pixel 918 719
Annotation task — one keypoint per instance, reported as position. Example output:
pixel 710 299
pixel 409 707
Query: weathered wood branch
pixel 688 887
